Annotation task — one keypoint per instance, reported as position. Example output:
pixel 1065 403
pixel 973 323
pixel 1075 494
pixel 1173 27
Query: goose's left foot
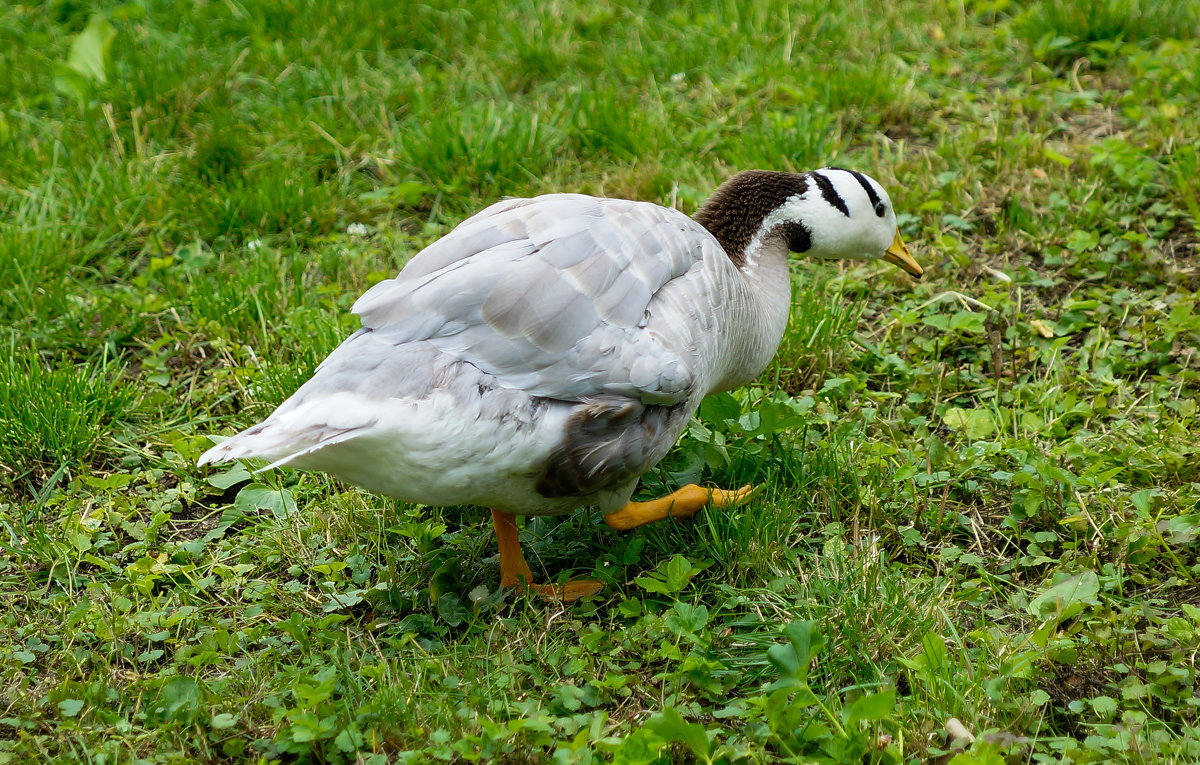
pixel 569 592
pixel 681 503
pixel 514 571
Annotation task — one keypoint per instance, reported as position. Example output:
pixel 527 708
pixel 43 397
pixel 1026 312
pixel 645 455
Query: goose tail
pixel 276 443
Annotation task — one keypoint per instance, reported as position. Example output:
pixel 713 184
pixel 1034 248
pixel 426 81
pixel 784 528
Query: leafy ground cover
pixel 976 536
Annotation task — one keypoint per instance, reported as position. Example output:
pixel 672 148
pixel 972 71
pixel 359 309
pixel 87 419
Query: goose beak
pixel 898 255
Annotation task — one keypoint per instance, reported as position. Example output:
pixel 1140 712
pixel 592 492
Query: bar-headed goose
pixel 547 352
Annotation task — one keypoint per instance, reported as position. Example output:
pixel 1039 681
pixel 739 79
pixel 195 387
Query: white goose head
pixel 827 213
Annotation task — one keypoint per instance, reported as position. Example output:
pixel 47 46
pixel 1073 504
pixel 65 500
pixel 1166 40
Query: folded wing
pixel 563 296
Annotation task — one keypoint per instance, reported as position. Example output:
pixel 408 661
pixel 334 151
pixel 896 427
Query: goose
pixel 548 351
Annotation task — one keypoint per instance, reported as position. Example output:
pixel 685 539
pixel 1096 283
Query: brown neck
pixel 735 211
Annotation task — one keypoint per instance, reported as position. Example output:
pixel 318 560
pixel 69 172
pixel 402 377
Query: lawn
pixel 976 534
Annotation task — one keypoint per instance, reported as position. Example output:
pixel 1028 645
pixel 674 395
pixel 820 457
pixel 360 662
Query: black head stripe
pixel 829 193
pixel 876 202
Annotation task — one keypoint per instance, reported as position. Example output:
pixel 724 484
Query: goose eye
pixel 880 209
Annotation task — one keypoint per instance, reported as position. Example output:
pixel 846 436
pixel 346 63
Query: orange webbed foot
pixel 514 571
pixel 681 503
pixel 568 592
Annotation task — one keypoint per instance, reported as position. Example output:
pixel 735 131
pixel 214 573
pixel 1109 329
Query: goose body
pixel 547 352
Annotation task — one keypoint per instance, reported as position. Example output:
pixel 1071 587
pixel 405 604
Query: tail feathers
pixel 276 443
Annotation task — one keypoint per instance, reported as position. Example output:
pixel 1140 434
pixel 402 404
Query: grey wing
pixel 554 296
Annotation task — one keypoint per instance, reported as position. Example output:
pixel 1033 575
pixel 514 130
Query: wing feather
pixel 554 295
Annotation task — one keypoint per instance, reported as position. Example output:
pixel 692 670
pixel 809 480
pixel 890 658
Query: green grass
pixel 1067 31
pixel 52 420
pixel 979 495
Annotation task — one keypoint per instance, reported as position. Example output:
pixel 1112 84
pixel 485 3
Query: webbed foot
pixel 514 571
pixel 681 503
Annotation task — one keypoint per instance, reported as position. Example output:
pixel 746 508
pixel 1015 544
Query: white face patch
pixel 822 210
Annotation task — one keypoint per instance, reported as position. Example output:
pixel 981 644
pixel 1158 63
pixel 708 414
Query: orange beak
pixel 898 255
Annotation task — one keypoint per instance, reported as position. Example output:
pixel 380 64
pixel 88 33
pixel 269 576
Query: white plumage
pixel 548 351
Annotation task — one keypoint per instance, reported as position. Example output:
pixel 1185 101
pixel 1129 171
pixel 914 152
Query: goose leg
pixel 514 571
pixel 513 568
pixel 681 503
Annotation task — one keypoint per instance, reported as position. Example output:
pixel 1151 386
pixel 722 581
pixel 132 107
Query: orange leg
pixel 514 571
pixel 681 503
pixel 513 568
